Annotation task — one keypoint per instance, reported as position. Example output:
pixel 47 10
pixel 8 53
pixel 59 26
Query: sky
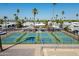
pixel 45 10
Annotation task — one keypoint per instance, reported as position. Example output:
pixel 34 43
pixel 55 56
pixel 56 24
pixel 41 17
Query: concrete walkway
pixel 60 52
pixel 40 50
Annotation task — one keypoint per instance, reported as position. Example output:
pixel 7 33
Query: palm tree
pixel 56 16
pixel 64 18
pixel 30 18
pixel 34 11
pixel 5 17
pixel 18 23
pixel 18 11
pixel 16 14
pixel 54 8
pixel 25 18
pixel 61 21
pixel 62 14
pixel 16 17
pixel 77 16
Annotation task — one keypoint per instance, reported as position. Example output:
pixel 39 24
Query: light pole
pixel 1 33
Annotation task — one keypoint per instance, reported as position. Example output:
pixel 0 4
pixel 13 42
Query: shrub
pixel 18 24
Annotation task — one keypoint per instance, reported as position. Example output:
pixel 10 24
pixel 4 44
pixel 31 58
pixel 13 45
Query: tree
pixel 30 18
pixel 61 21
pixel 34 11
pixel 25 18
pixel 16 17
pixel 57 21
pixel 18 24
pixel 64 18
pixel 54 8
pixel 56 16
pixel 1 21
pixel 5 17
pixel 22 21
pixel 66 28
pixel 62 14
pixel 16 14
pixel 46 24
pixel 77 16
pixel 18 11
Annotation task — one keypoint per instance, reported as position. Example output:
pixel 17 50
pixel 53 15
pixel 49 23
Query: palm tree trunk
pixel 5 26
pixel 1 44
pixel 34 20
pixel 77 18
pixel 53 12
